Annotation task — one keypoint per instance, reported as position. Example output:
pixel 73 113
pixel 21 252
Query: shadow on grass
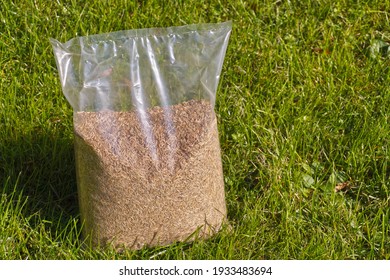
pixel 39 164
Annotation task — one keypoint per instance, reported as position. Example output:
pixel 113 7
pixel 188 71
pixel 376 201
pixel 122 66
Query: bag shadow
pixel 38 166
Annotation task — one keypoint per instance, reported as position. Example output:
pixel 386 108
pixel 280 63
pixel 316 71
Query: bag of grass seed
pixel 148 158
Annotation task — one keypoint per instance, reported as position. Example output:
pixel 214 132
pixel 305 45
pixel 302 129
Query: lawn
pixel 303 108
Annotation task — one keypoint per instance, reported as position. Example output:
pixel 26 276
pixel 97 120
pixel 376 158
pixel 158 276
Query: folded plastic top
pixel 142 68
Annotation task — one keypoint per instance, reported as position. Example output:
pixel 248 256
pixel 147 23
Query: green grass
pixel 303 104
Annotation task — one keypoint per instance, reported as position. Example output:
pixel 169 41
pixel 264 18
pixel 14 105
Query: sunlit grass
pixel 303 105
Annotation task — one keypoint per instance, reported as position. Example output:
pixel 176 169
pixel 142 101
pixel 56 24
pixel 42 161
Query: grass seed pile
pixel 149 177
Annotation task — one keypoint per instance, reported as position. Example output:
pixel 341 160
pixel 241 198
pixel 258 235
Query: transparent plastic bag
pixel 148 160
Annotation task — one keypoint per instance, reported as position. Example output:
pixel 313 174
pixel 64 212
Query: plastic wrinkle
pixel 100 72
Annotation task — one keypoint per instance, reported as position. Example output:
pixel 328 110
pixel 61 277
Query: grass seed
pixel 152 177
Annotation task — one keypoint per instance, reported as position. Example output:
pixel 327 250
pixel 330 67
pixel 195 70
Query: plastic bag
pixel 148 160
